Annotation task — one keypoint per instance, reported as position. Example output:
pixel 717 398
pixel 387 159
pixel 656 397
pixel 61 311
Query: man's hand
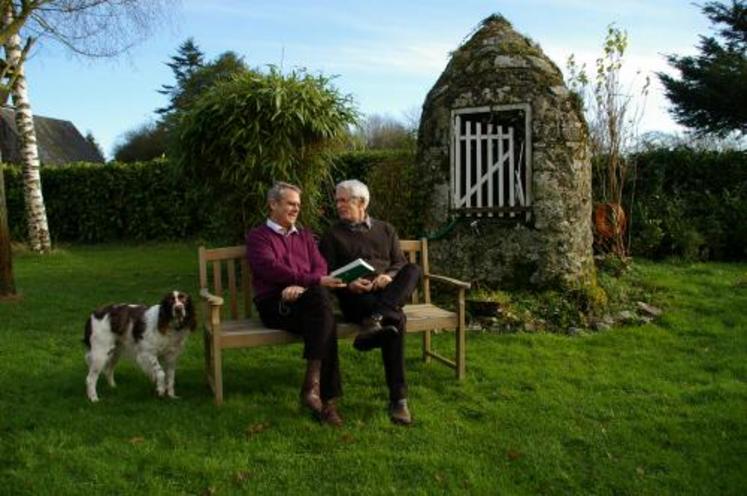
pixel 360 286
pixel 381 281
pixel 291 293
pixel 331 282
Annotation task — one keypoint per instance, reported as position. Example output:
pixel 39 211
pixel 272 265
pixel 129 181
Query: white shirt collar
pixel 280 229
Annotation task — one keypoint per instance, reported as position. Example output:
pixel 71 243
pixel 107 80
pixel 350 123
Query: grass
pixel 654 409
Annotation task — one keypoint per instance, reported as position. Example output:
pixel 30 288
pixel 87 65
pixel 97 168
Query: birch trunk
pixel 36 214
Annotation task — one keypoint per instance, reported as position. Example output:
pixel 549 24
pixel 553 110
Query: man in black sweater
pixel 375 301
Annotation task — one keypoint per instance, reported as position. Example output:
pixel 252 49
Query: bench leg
pixel 460 352
pixel 426 346
pixel 217 371
pixel 460 337
pixel 208 349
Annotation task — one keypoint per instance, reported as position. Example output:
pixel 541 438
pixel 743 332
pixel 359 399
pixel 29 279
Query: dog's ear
pixel 165 312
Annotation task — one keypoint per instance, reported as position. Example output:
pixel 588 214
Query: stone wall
pixel 498 66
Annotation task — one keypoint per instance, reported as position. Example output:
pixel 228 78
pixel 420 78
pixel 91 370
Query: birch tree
pixel 36 213
pixel 92 28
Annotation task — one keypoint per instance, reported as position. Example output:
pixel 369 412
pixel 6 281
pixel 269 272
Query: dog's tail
pixel 87 334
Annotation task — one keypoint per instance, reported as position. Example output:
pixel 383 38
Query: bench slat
pixel 410 245
pixel 251 332
pixel 246 286
pixel 232 288
pixel 224 253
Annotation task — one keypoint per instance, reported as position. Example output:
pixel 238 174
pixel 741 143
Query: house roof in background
pixel 59 141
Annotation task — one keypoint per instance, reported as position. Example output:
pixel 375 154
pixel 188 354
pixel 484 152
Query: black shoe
pixel 373 333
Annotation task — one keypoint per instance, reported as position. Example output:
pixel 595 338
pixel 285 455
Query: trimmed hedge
pixel 396 195
pixel 687 203
pixel 93 203
pixel 691 204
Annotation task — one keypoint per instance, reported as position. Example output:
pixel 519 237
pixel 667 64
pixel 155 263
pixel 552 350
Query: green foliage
pixel 193 84
pixel 193 77
pixel 358 164
pixel 711 93
pixel 143 143
pixel 256 129
pixel 93 203
pixel 691 204
pixel 188 59
pixel 397 193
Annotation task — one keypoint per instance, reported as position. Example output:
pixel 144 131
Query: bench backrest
pixel 226 273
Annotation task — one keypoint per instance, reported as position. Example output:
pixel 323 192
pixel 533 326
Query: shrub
pixel 248 132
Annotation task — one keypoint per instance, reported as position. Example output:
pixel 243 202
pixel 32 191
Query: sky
pixel 386 54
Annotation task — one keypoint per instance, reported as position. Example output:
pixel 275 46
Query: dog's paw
pixel 172 396
pixel 93 399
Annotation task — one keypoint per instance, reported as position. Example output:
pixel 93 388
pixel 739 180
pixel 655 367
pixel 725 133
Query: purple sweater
pixel 279 261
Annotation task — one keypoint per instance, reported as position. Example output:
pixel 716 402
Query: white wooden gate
pixel 490 163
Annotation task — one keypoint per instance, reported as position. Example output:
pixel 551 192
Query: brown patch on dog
pixel 120 317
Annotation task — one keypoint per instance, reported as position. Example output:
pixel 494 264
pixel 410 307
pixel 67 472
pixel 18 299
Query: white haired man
pixel 290 283
pixel 375 301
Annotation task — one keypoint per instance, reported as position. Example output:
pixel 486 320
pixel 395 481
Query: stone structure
pixel 546 240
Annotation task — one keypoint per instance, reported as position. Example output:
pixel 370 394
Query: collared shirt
pixel 365 225
pixel 280 229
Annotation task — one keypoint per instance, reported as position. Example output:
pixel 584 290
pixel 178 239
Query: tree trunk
pixel 36 214
pixel 7 284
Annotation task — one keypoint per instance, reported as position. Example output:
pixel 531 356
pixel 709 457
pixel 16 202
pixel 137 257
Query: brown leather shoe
pixel 399 413
pixel 310 395
pixel 330 415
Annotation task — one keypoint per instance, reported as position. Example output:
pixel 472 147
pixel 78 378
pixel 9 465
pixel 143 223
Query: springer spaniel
pixel 146 334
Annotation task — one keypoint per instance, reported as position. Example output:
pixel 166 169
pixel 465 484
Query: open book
pixel 353 270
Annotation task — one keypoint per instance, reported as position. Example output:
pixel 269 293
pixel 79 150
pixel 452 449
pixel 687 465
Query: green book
pixel 353 270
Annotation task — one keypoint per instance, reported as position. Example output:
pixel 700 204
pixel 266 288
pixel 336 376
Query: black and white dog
pixel 147 334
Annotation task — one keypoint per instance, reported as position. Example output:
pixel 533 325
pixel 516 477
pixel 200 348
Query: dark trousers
pixel 312 317
pixel 387 302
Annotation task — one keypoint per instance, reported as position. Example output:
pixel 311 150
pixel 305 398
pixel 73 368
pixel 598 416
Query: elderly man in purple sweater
pixel 290 285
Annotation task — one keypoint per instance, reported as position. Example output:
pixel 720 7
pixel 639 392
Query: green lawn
pixel 655 409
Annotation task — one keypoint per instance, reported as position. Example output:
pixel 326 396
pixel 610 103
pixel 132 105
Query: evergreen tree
pixel 187 60
pixel 711 93
pixel 196 82
pixel 193 77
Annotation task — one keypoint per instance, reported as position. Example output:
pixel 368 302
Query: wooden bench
pixel 226 292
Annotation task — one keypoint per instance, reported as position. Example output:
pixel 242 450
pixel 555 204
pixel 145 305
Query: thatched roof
pixel 59 141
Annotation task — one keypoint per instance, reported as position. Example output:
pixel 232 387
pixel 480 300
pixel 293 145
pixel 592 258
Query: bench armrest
pixel 214 304
pixel 448 280
pixel 211 299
